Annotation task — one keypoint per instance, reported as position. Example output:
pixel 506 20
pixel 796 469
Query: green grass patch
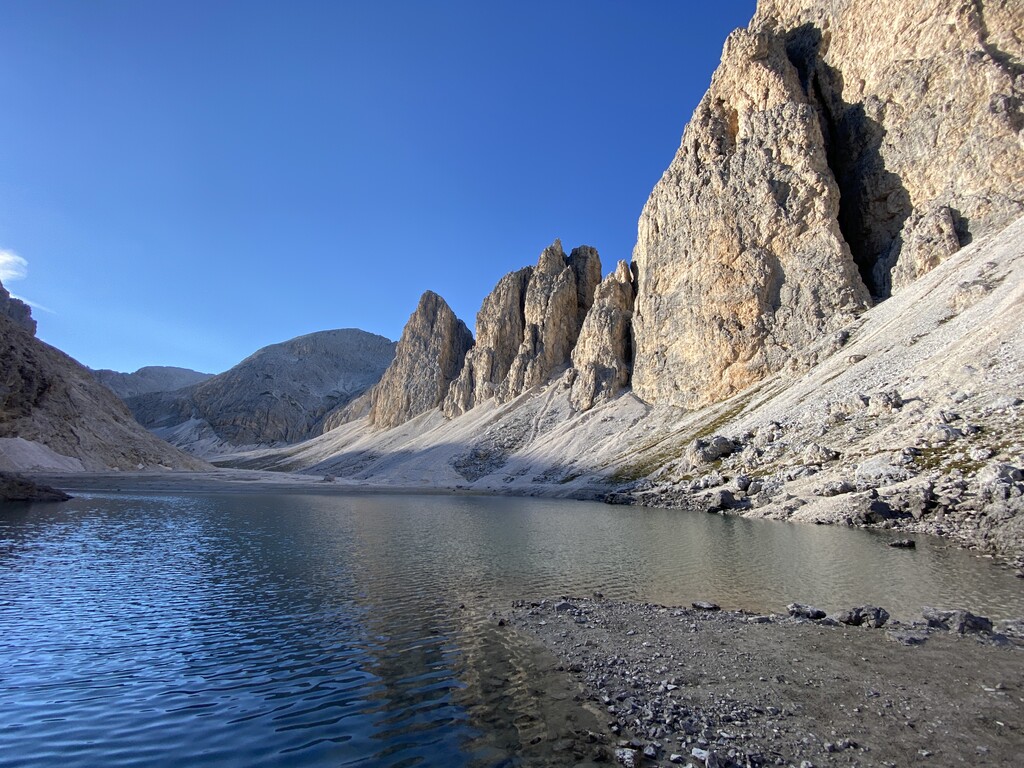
pixel 647 463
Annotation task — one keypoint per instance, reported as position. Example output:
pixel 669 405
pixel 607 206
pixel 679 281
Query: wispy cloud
pixel 12 266
pixel 32 304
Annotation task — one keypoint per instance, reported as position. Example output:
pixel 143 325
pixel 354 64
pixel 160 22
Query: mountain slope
pixel 280 394
pixel 55 415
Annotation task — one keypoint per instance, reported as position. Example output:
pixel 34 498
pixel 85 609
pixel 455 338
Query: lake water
pixel 307 629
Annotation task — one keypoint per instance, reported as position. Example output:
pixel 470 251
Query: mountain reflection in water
pixel 356 630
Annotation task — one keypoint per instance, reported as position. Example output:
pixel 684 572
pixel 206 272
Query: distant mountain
pixel 282 393
pixel 152 378
pixel 55 415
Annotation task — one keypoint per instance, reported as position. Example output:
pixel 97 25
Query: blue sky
pixel 184 182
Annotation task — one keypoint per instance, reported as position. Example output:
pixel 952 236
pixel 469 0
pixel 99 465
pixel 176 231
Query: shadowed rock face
pixel 841 150
pixel 17 311
pixel 428 358
pixel 50 399
pixel 527 328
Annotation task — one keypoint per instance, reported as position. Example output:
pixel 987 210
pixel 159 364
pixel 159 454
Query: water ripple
pixel 325 630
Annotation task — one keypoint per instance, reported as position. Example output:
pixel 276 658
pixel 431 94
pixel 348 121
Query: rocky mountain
pixel 55 415
pixel 428 357
pixel 151 378
pixel 841 149
pixel 527 328
pixel 282 393
pixel 821 318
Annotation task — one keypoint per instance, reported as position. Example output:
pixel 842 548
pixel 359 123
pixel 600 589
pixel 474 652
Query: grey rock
pixel 1000 473
pixel 629 758
pixel 818 454
pixel 14 487
pixel 704 605
pixel 17 311
pixel 929 237
pixel 428 358
pixel 836 488
pixel 282 393
pixel 703 451
pixel 957 620
pixel 865 615
pixel 874 511
pixel 151 378
pixel 801 611
pixel 903 544
pixel 603 355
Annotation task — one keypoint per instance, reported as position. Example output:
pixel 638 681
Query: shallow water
pixel 327 630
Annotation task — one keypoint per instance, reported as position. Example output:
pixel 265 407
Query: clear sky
pixel 183 182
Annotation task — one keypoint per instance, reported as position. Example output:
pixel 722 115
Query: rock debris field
pixel 706 687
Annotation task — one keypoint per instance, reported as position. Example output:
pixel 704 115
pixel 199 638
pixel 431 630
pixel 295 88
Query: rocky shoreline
pixel 701 686
pixel 14 487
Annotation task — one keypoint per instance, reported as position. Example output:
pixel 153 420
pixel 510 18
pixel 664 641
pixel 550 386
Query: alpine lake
pixel 323 629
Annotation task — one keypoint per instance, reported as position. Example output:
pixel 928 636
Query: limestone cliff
pixel 428 358
pixel 603 356
pixel 527 328
pixel 921 106
pixel 499 332
pixel 841 148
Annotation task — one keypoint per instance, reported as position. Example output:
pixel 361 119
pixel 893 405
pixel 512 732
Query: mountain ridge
pixel 281 393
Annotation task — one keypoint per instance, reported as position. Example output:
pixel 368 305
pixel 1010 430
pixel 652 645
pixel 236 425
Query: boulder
pixel 957 620
pixel 14 487
pixel 865 615
pixel 801 611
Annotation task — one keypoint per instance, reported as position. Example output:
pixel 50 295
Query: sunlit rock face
pixel 428 358
pixel 499 331
pixel 841 150
pixel 603 355
pixel 527 328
